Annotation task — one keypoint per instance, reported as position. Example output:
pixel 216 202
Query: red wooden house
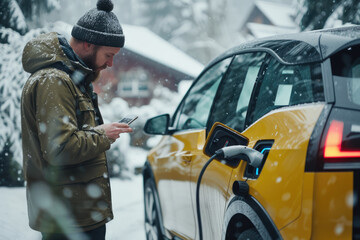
pixel 145 62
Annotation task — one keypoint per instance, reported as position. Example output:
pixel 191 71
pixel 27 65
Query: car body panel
pixel 333 205
pixel 171 168
pixel 294 199
pixel 327 210
pixel 301 228
pixel 214 193
pixel 171 162
pixel 179 159
pixel 280 184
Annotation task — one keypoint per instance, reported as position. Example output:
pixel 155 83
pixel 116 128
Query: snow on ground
pixel 128 209
pixel 128 222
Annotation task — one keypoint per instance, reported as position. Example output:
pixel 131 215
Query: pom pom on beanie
pixel 105 5
pixel 100 26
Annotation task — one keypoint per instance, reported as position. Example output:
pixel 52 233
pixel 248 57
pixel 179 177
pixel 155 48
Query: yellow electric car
pixel 293 99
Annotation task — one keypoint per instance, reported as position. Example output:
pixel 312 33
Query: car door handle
pixel 186 156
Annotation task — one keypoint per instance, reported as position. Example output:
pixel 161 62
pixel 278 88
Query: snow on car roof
pixel 303 47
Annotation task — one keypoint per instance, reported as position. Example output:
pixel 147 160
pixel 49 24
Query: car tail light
pixel 340 144
pixel 334 141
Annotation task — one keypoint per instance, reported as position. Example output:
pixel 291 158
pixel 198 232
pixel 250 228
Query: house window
pixel 134 83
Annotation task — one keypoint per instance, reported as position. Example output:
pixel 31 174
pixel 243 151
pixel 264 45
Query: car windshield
pixel 346 74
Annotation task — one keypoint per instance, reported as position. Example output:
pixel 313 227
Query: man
pixel 64 138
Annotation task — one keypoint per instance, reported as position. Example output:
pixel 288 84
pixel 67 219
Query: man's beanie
pixel 100 26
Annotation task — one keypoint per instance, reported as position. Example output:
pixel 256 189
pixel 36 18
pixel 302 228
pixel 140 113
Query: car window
pixel 283 85
pixel 355 84
pixel 234 94
pixel 346 71
pixel 196 106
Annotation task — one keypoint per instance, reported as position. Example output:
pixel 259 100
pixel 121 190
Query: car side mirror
pixel 158 125
pixel 230 146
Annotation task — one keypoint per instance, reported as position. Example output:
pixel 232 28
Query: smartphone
pixel 128 119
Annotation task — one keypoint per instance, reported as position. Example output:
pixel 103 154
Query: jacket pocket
pixel 85 113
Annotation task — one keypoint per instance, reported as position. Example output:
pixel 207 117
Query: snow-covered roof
pixel 142 41
pixel 146 43
pixel 279 14
pixel 264 30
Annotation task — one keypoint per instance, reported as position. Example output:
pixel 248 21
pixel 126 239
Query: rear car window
pixel 286 85
pixel 346 75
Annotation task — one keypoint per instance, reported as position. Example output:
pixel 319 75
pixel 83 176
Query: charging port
pixel 263 147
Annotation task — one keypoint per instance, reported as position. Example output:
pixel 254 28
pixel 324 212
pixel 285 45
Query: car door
pixel 181 148
pixel 282 114
pixel 229 107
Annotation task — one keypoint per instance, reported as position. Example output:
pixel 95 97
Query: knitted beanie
pixel 100 26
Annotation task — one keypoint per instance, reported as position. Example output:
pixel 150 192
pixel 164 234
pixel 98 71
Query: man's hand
pixel 113 130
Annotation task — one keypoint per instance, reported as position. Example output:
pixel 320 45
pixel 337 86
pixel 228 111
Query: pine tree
pixel 12 79
pixel 351 12
pixel 317 13
pixel 34 10
pixel 10 171
pixel 162 16
pixel 199 22
pixel 12 17
pixel 17 14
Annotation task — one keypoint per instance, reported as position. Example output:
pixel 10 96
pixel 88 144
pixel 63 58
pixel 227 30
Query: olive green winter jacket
pixel 64 154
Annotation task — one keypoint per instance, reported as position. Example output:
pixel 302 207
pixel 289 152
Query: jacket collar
pixel 81 74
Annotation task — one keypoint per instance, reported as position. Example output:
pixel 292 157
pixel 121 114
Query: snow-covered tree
pixel 34 10
pixel 12 79
pixel 199 27
pixel 12 17
pixel 327 13
pixel 18 14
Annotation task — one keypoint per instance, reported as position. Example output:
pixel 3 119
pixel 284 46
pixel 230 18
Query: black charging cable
pixel 228 153
pixel 198 194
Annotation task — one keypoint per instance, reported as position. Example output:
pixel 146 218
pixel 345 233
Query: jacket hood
pixel 43 51
pixel 51 50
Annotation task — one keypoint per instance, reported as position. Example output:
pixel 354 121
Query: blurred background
pixel 168 43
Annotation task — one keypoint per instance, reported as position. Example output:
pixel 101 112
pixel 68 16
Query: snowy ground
pixel 128 209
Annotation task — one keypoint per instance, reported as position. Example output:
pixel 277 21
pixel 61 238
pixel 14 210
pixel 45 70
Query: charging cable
pixel 198 193
pixel 253 157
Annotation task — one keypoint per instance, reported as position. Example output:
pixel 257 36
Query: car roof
pixel 303 47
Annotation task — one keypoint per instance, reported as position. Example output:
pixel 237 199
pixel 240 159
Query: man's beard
pixel 90 62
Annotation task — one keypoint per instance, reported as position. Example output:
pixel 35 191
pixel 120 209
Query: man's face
pixel 100 57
